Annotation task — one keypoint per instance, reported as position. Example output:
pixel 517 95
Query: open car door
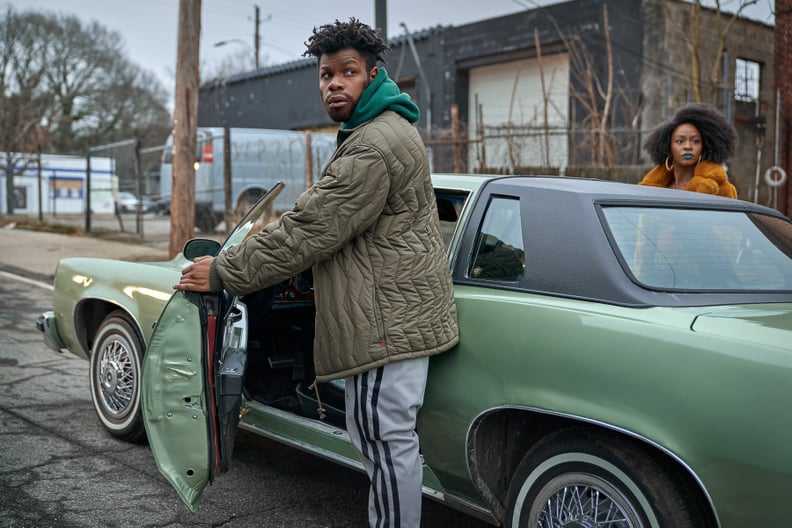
pixel 193 374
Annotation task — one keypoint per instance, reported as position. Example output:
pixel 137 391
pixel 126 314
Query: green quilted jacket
pixel 369 230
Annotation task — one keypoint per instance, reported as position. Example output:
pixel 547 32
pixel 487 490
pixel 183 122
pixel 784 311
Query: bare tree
pixel 24 98
pixel 65 87
pixel 723 25
pixel 99 95
pixel 594 94
pixel 132 105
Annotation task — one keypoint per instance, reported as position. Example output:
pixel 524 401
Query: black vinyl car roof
pixel 568 252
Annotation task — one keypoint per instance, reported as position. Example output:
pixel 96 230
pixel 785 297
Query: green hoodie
pixel 382 94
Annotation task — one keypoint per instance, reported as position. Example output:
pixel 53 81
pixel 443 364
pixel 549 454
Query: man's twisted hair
pixel 718 136
pixel 354 34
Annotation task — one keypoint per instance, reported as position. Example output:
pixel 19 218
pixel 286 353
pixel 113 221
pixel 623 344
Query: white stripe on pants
pixel 381 408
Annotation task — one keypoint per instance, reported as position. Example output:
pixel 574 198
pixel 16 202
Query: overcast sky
pixel 149 27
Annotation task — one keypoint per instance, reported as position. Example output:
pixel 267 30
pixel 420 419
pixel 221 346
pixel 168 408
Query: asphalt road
pixel 58 467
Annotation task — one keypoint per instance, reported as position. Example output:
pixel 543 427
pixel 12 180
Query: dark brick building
pixel 556 89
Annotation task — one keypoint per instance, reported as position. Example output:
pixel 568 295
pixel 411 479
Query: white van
pixel 260 158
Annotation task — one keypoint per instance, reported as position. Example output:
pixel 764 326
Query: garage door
pixel 507 106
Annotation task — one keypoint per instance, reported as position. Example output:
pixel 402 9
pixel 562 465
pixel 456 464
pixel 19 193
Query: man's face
pixel 343 75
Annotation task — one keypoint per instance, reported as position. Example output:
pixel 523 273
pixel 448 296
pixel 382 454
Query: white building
pixel 62 185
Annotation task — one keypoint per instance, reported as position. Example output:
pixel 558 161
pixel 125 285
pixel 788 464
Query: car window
pixel 499 249
pixel 695 249
pixel 449 208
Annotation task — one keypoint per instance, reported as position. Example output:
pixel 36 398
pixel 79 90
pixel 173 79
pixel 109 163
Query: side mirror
pixel 201 247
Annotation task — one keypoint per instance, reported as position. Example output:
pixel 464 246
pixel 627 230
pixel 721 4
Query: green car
pixel 625 358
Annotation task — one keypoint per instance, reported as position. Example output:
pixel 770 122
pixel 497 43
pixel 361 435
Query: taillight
pixel 208 153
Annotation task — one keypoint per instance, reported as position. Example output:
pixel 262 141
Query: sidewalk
pixel 35 254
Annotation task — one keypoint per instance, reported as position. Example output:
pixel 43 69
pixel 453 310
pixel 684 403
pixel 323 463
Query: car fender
pixel 84 300
pixel 483 446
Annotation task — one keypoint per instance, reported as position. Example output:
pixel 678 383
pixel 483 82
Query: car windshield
pixel 699 249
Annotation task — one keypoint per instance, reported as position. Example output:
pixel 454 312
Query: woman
pixel 689 151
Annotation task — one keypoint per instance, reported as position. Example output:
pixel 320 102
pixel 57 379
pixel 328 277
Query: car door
pixel 193 374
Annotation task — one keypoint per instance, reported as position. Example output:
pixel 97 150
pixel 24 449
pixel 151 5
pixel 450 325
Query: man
pixel 369 230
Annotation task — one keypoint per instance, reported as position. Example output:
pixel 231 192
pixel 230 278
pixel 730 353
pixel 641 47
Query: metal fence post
pixel 38 173
pixel 88 191
pixel 229 214
pixel 139 209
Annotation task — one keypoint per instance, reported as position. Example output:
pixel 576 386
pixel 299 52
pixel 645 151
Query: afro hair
pixel 354 34
pixel 718 135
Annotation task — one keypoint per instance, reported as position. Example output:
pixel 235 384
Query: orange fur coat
pixel 707 178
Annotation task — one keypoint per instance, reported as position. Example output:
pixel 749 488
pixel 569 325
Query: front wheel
pixel 577 478
pixel 115 371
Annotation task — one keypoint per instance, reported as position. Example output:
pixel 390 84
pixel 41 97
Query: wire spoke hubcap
pixel 116 376
pixel 583 501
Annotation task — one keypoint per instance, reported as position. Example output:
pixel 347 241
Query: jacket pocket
pixel 378 320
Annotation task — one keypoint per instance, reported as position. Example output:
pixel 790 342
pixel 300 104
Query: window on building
pixel 746 81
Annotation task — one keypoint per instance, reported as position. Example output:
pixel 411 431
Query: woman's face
pixel 685 145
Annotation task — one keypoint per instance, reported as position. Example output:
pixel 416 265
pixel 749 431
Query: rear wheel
pixel 248 200
pixel 205 219
pixel 115 370
pixel 576 478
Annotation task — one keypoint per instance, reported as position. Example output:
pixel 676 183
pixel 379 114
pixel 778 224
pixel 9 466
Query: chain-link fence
pixel 113 189
pixel 124 190
pixel 136 206
pixel 611 154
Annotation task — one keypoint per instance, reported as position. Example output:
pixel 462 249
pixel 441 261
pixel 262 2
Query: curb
pixel 49 279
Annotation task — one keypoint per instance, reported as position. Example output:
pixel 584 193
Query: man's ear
pixel 373 73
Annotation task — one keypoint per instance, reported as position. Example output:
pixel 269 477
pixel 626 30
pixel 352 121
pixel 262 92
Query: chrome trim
pixel 463 214
pixel 302 422
pixel 440 496
pixel 46 324
pixel 598 423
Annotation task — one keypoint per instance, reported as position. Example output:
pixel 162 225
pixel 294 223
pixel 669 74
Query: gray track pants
pixel 381 408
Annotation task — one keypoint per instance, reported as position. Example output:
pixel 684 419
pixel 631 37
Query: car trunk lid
pixel 744 322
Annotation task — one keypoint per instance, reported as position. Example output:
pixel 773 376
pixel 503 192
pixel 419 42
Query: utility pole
pixel 381 18
pixel 256 37
pixel 185 124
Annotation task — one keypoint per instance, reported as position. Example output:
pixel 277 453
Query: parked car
pixel 625 358
pixel 129 203
pixel 162 207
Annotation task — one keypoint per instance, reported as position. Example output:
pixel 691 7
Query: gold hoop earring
pixel 669 166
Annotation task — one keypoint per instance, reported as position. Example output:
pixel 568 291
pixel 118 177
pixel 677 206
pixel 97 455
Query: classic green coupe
pixel 625 358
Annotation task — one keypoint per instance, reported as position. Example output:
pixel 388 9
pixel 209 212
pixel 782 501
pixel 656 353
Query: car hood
pixel 760 324
pixel 177 263
pixel 99 263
